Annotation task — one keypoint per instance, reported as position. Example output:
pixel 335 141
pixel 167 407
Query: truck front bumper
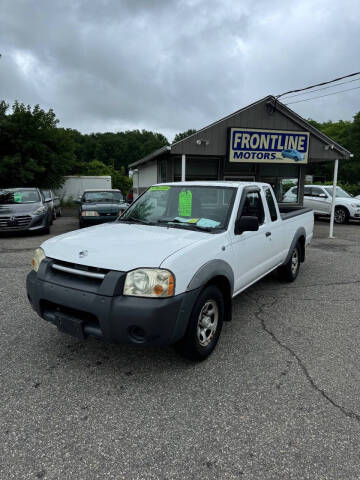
pixel 113 318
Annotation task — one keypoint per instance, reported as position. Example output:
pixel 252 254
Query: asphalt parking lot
pixel 278 399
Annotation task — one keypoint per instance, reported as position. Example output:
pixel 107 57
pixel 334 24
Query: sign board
pixel 268 146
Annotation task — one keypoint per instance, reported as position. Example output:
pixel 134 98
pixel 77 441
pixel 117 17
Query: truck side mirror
pixel 246 224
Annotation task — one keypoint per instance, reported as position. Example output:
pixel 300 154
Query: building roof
pixel 274 104
pixel 154 154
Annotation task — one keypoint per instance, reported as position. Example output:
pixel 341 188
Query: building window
pixel 204 168
pixel 284 179
pixel 162 171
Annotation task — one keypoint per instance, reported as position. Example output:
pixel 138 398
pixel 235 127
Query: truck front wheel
pixel 290 270
pixel 205 325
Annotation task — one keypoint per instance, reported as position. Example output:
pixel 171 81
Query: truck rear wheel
pixel 290 270
pixel 205 325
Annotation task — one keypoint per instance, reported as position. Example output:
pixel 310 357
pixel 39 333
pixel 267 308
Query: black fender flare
pixel 300 232
pixel 210 270
pixel 219 272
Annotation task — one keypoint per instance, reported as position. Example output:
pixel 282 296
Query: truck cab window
pixel 271 204
pixel 253 206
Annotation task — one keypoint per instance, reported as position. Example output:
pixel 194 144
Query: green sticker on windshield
pixel 185 203
pixel 160 188
pixel 17 197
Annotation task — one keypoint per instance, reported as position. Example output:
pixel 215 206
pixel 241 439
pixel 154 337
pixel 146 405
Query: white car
pixel 319 198
pixel 166 271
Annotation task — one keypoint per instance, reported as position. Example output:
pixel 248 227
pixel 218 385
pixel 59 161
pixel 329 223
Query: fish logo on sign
pixel 83 253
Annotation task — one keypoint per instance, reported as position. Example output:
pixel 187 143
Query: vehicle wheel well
pixel 345 208
pixel 224 285
pixel 301 243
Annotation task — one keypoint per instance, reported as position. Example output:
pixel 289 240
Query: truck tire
pixel 205 325
pixel 290 270
pixel 341 215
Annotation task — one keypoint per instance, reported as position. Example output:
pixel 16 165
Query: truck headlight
pixel 38 257
pixel 149 282
pixel 89 213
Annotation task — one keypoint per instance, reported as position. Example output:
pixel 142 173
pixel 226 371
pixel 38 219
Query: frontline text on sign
pixel 268 146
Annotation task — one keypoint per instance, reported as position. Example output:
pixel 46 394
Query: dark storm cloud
pixel 172 65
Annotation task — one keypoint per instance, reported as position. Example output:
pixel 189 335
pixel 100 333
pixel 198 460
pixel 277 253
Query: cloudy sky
pixel 163 65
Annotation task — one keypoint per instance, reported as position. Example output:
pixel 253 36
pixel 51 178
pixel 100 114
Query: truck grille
pixel 82 270
pixel 17 222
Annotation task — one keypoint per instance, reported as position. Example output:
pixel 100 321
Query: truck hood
pixel 121 246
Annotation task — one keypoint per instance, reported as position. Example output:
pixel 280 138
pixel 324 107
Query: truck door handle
pixel 268 234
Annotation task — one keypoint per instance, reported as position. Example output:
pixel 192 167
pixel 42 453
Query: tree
pixel 121 181
pixel 116 149
pixel 33 151
pixel 347 134
pixel 181 136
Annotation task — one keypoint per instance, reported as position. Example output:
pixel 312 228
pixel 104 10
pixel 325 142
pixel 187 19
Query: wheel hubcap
pixel 207 322
pixel 339 216
pixel 294 262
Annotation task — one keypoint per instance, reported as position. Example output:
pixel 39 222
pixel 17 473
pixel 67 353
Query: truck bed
pixel 289 212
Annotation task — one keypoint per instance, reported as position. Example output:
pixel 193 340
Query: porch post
pixel 183 167
pixel 336 165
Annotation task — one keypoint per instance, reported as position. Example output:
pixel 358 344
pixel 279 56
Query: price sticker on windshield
pixel 17 197
pixel 185 203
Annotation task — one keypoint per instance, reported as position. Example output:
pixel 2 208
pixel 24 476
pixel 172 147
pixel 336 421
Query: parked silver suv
pixel 319 198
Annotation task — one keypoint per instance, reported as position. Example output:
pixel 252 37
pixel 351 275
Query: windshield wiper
pixel 134 219
pixel 187 224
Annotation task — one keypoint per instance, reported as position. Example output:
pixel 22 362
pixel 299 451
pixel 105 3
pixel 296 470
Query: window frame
pixel 265 188
pixel 244 194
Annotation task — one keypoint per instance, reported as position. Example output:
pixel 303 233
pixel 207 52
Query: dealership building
pixel 265 141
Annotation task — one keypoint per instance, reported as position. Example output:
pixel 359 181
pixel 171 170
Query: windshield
pixel 102 197
pixel 340 193
pixel 19 195
pixel 190 207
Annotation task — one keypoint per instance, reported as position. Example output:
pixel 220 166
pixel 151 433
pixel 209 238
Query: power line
pixel 318 84
pixel 321 96
pixel 324 88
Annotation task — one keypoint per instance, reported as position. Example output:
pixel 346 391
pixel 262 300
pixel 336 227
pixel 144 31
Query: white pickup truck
pixel 165 272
